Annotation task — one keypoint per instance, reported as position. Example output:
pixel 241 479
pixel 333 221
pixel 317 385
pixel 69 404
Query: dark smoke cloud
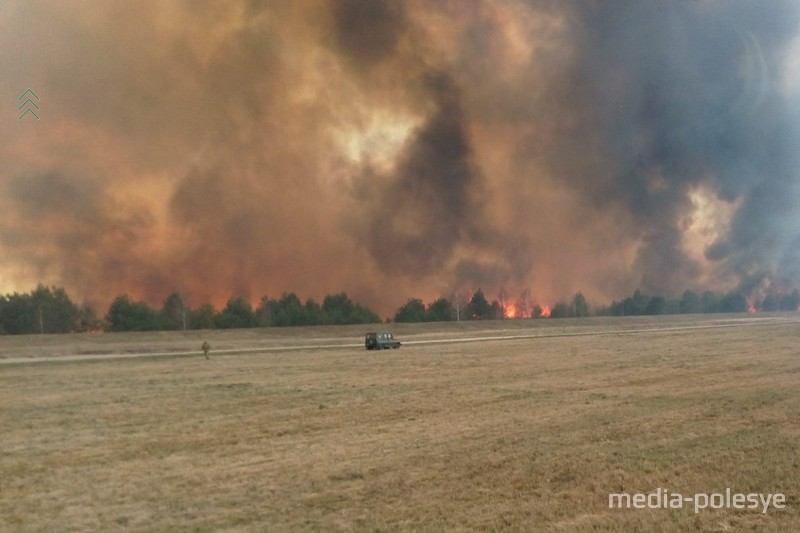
pixel 399 149
pixel 368 33
pixel 431 202
pixel 676 95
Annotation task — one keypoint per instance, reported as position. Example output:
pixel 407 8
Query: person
pixel 206 348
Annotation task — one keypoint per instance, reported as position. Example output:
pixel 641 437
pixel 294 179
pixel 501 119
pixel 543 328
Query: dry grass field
pixel 516 434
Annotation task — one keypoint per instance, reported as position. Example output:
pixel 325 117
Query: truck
pixel 380 341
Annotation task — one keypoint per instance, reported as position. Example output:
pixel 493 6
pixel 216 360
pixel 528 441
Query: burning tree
pixel 523 307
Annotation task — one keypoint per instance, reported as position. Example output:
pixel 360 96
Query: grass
pixel 525 434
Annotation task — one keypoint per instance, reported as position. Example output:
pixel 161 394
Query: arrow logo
pixel 26 102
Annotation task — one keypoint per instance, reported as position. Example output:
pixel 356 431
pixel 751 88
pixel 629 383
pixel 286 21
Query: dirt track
pixel 726 323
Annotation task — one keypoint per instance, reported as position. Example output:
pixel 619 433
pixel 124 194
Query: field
pixel 528 429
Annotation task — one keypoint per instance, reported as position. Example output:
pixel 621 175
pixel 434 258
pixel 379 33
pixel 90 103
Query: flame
pixel 751 308
pixel 511 311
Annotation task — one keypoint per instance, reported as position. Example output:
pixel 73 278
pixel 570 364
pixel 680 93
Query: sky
pixel 393 150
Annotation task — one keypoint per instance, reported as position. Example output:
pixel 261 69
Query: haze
pixel 399 149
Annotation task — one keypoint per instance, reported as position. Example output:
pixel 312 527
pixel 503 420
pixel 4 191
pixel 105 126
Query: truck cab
pixel 380 341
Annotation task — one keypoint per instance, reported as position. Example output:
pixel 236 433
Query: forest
pixel 51 310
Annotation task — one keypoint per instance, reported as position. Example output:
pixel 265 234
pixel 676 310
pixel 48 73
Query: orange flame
pixel 511 311
pixel 751 308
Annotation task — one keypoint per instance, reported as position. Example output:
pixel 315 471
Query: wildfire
pixel 751 308
pixel 512 311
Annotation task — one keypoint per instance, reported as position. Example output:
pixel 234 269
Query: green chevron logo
pixel 28 108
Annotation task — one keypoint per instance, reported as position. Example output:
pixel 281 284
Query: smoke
pixel 368 33
pixel 399 149
pixel 706 109
pixel 429 204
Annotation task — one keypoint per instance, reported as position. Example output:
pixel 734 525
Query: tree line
pixel 640 303
pixel 43 310
pixel 477 307
pixel 336 309
pixel 50 310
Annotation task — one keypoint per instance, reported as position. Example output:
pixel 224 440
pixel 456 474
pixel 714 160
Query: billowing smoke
pixel 399 149
pixel 429 204
pixel 690 96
